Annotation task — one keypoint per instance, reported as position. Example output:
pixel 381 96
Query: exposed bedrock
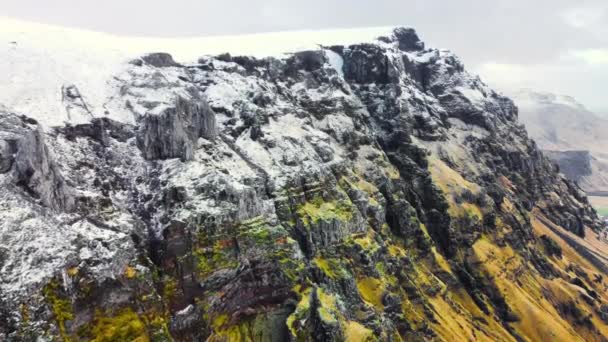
pixel 24 154
pixel 174 132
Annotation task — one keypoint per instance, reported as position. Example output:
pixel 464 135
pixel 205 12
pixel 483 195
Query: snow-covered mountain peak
pixel 43 62
pixel 529 97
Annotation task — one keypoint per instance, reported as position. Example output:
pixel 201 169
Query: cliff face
pixel 367 192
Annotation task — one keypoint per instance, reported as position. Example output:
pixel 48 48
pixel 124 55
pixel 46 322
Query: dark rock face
pixel 372 191
pixel 160 60
pixel 24 153
pixel 174 133
pixel 573 164
pixel 35 171
pixel 407 38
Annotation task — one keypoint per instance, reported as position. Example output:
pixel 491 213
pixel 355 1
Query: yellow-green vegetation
pixel 257 229
pixel 356 332
pixel 328 311
pixel 301 312
pixel 130 272
pixel 320 210
pixel 216 257
pixel 600 204
pixel 448 180
pixel 126 325
pixel 291 265
pixel 453 185
pixel 253 328
pixel 220 321
pixel 362 185
pixel 169 289
pixel 396 251
pixel 372 290
pixel 72 271
pixel 472 211
pixel 331 267
pixel 60 306
pixel 367 242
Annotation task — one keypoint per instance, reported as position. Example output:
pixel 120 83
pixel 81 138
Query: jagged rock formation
pixel 174 132
pixel 367 192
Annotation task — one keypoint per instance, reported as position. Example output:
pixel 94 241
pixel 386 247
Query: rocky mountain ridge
pixel 374 191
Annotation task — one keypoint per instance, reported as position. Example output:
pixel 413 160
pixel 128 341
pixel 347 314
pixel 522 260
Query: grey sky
pixel 553 45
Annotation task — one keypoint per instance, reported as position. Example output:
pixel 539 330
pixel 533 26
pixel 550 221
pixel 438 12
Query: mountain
pixel 357 192
pixel 573 136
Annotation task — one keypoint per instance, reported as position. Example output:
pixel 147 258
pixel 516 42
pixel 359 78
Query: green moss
pixel 61 307
pixel 215 258
pixel 124 326
pixel 367 243
pixel 254 328
pixel 295 320
pixel 320 210
pixel 327 310
pixel 331 267
pixel 169 289
pixel 361 185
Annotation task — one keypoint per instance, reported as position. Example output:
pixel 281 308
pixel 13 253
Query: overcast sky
pixel 550 45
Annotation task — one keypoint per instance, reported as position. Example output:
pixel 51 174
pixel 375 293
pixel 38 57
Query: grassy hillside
pixel 600 203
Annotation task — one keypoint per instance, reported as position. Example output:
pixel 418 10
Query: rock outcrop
pixel 174 132
pixel 26 156
pixel 352 193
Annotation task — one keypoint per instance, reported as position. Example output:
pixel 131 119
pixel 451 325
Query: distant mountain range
pixel 572 136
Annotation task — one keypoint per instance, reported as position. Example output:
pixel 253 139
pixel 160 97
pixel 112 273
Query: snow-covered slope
pixel 38 62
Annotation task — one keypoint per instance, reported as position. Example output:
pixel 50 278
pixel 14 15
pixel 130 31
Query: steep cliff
pixel 374 191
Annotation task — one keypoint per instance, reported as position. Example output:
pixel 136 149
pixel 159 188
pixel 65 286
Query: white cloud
pixel 583 17
pixel 592 56
pixel 581 74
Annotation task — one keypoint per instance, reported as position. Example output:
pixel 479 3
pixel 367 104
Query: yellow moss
pixel 130 272
pixel 170 289
pixel 300 313
pixel 72 271
pixel 214 258
pixel 472 211
pixel 356 332
pixel 440 260
pixel 61 307
pixel 396 251
pixel 124 326
pixel 331 267
pixel 448 180
pixel 327 310
pixel 367 242
pixel 219 321
pixel 25 313
pixel 320 210
pixel 526 295
pixel 371 290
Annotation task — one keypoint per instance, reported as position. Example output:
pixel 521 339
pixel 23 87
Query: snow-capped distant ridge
pixel 39 62
pixel 530 97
